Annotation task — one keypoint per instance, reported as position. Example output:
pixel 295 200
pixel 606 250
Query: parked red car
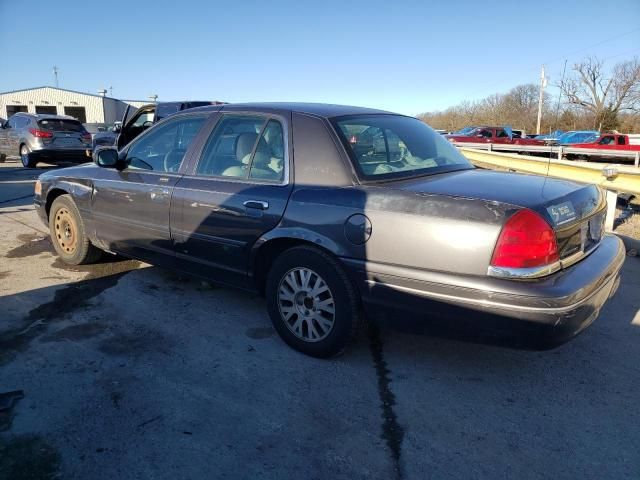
pixel 492 135
pixel 609 141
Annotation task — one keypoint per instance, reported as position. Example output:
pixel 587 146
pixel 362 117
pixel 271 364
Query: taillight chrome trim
pixel 543 271
pixel 524 273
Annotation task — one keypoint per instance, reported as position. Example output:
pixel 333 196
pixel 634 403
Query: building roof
pixel 66 90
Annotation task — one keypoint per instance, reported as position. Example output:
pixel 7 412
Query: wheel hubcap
pixel 306 304
pixel 66 229
pixel 24 156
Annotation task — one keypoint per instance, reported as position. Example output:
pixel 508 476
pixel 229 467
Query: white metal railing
pixel 557 151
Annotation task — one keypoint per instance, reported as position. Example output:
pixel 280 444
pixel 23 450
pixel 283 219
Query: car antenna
pixel 555 127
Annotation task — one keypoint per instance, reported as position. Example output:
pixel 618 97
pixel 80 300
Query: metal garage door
pixel 11 109
pixel 76 112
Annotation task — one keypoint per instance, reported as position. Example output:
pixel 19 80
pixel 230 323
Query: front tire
pixel 26 157
pixel 68 235
pixel 312 303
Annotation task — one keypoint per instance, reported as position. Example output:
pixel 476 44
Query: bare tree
pixel 601 94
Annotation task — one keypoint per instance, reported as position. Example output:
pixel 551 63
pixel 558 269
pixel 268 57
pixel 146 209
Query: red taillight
pixel 40 133
pixel 526 240
pixel 86 136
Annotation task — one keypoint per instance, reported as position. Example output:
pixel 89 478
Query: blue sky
pixel 405 56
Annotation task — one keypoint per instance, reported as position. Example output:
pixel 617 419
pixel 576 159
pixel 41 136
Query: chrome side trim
pixel 524 273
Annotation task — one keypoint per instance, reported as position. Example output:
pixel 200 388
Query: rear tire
pixel 26 157
pixel 68 235
pixel 312 303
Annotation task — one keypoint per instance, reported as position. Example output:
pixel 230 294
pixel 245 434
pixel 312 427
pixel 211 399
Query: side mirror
pixel 116 128
pixel 106 157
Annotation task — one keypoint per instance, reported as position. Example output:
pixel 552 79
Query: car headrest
pixel 244 144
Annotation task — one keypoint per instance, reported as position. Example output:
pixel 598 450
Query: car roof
pixel 44 116
pixel 317 109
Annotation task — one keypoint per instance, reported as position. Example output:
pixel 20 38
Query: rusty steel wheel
pixel 68 235
pixel 66 231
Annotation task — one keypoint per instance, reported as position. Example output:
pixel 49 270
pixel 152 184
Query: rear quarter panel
pixel 431 232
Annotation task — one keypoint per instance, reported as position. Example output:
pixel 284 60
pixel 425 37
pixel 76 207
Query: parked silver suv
pixel 37 137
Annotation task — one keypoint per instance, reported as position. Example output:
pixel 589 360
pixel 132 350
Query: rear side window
pixel 60 125
pixel 268 160
pixel 393 146
pixel 245 147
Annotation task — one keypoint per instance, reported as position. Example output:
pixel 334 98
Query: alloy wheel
pixel 24 156
pixel 306 304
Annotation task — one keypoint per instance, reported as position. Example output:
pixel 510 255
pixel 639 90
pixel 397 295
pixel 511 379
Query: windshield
pixel 98 127
pixel 393 146
pixel 578 137
pixel 464 131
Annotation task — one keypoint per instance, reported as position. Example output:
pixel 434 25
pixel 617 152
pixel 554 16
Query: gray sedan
pixel 334 212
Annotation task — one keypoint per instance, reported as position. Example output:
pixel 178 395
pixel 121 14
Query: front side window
pixel 245 146
pixel 392 146
pixel 164 147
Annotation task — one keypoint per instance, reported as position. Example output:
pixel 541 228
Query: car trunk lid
pixel 575 211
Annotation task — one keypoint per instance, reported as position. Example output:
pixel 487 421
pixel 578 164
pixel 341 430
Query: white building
pixel 86 107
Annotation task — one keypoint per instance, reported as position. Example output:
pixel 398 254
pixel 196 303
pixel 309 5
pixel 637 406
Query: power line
pixel 565 57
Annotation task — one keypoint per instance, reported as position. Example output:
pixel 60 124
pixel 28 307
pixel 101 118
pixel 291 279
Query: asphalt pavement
pixel 129 371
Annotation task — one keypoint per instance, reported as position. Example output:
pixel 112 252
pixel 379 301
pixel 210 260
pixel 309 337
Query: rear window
pixel 392 146
pixel 60 125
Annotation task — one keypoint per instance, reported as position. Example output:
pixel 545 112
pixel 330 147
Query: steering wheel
pixel 172 160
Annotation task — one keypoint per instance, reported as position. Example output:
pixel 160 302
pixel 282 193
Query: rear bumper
pixel 539 314
pixel 77 155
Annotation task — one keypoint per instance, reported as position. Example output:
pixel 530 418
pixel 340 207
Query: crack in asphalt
pixel 392 431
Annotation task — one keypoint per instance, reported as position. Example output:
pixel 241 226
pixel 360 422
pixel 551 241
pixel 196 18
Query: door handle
pixel 257 204
pixel 159 193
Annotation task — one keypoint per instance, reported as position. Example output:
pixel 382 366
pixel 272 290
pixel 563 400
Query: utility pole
pixel 55 74
pixel 543 83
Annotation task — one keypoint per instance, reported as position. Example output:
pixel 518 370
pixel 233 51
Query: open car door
pixel 134 122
